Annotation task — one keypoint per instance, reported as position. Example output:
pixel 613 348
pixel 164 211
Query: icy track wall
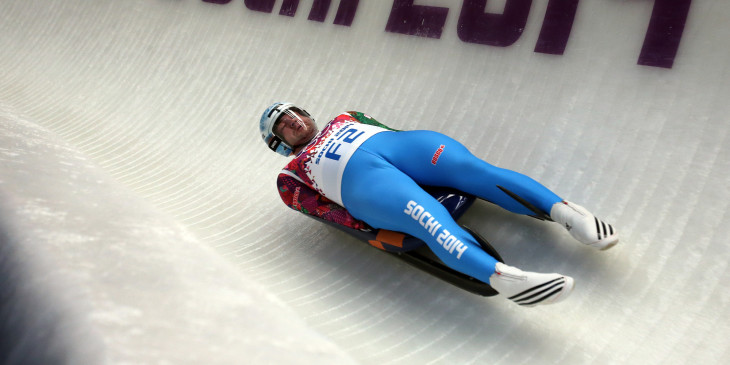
pixel 139 220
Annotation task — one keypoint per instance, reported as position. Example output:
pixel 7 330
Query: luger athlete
pixel 358 172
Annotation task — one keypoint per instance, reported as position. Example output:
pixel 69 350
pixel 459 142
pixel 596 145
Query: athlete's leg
pixel 381 195
pixel 431 158
pixel 384 197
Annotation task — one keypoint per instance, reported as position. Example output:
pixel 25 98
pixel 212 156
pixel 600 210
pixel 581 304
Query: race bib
pixel 331 155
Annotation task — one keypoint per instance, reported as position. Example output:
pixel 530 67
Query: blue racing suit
pixel 376 174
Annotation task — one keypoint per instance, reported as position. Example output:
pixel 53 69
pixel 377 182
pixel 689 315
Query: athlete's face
pixel 295 129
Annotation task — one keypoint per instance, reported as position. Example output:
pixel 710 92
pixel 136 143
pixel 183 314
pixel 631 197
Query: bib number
pixel 347 136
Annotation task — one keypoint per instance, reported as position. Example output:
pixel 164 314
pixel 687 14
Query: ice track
pixel 139 222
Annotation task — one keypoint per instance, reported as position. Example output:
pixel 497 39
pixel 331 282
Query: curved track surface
pixel 140 222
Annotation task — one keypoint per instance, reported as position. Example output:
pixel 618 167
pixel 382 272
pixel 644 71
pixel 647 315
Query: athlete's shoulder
pixel 353 116
pixel 366 119
pixel 360 117
pixel 356 117
pixel 346 116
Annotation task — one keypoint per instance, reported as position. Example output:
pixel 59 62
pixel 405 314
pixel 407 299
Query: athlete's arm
pixel 300 197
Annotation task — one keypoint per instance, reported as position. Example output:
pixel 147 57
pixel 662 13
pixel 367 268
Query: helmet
pixel 266 126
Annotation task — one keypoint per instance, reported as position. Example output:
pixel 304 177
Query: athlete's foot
pixel 584 226
pixel 528 288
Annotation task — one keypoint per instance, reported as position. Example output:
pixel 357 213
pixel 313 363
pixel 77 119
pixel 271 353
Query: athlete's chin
pixel 307 137
pixel 300 141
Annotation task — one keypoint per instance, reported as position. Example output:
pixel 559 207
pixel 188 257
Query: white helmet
pixel 266 125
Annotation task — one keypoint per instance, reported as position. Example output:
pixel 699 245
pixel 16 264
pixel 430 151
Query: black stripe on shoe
pixel 547 296
pixel 598 228
pixel 539 292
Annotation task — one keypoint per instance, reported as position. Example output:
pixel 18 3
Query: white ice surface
pixel 139 204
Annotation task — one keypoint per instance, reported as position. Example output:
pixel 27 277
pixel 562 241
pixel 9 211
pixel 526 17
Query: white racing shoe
pixel 584 226
pixel 528 288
